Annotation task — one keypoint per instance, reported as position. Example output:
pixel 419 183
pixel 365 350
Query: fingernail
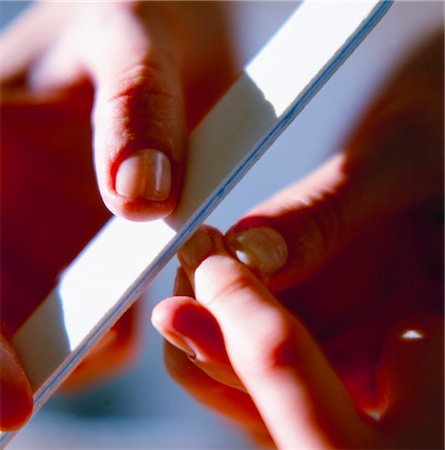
pixel 261 248
pixel 196 249
pixel 176 339
pixel 181 343
pixel 145 174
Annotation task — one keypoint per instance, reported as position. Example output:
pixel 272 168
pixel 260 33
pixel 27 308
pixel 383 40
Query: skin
pixel 66 100
pixel 58 78
pixel 316 354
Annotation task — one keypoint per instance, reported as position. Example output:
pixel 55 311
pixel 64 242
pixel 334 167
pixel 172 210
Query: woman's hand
pixel 121 83
pixel 330 334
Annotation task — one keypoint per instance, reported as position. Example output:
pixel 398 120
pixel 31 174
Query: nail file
pixel 119 263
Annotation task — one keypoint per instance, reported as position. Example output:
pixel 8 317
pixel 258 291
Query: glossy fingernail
pixel 145 174
pixel 260 248
pixel 196 249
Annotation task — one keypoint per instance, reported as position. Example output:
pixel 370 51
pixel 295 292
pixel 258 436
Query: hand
pixel 104 81
pixel 330 334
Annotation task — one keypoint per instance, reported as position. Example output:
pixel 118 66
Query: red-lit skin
pixel 325 293
pixel 65 100
pixel 14 388
pixel 298 358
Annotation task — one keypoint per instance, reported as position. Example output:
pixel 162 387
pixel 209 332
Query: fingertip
pixel 164 315
pixel 16 398
pixel 161 314
pixel 140 140
pixel 138 210
pixel 145 185
pixel 165 318
pixel 191 328
pixel 204 242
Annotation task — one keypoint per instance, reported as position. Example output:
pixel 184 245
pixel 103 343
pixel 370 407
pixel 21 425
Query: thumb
pixel 296 391
pixel 393 162
pixel 138 119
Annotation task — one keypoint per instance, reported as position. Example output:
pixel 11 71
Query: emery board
pixel 118 264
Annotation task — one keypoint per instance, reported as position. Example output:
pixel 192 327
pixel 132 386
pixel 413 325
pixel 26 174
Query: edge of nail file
pixel 125 256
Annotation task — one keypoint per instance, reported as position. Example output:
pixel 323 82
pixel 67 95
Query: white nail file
pixel 119 263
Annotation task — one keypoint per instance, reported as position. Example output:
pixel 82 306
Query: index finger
pixel 298 394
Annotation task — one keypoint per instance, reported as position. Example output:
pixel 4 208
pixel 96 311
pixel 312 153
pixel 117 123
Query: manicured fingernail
pixel 176 339
pixel 145 174
pixel 261 248
pixel 196 249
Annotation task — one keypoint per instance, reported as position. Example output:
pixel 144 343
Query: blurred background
pixel 143 408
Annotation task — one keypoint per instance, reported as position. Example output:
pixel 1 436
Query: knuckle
pixel 264 336
pixel 234 288
pixel 142 91
pixel 331 222
pixel 236 285
pixel 141 108
pixel 273 351
pixel 320 227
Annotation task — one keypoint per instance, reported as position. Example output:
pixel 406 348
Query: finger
pixel 138 118
pixel 16 401
pixel 284 370
pixel 191 328
pixel 392 162
pixel 176 320
pixel 234 405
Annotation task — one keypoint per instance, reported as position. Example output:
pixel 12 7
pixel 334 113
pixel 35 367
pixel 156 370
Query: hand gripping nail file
pixel 116 266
